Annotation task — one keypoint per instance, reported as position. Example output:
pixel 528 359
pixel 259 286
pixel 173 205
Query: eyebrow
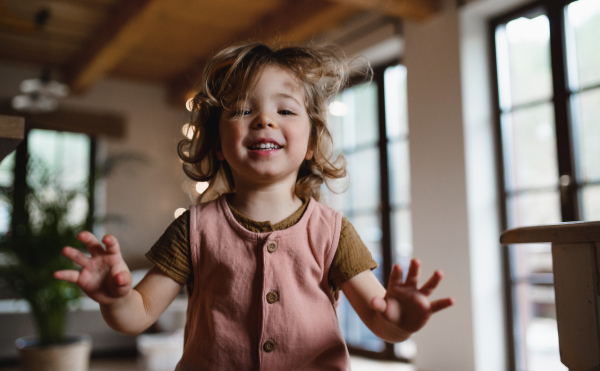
pixel 287 96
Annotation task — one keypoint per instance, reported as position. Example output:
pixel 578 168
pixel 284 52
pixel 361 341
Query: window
pixel 71 155
pixel 369 125
pixel 548 113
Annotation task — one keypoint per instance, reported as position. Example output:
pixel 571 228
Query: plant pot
pixel 72 355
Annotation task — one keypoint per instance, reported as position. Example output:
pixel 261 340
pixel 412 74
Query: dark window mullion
pixel 386 239
pixel 522 191
pixel 92 185
pixel 524 106
pixel 19 215
pixel 564 142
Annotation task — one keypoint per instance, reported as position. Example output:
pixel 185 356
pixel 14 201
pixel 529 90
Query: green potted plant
pixel 32 251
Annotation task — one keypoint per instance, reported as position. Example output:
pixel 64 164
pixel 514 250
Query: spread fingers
pixel 413 273
pixel 91 243
pixel 67 275
pixel 432 283
pixel 76 256
pixel 440 304
pixel 111 243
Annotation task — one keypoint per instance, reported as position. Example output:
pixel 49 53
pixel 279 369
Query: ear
pixel 309 151
pixel 309 154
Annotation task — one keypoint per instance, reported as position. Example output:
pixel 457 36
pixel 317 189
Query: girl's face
pixel 268 142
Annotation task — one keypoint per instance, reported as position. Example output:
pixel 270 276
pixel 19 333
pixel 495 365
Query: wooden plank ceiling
pixel 166 41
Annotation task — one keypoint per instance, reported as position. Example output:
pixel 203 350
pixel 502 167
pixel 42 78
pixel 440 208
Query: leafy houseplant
pixel 54 214
pixel 32 250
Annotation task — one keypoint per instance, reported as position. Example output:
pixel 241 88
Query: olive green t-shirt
pixel 171 253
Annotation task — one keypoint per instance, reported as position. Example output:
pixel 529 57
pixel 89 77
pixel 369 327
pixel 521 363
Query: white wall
pixel 145 196
pixel 438 189
pixel 453 174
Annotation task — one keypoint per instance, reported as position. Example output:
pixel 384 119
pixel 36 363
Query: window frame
pixel 20 178
pixel 385 207
pixel 566 158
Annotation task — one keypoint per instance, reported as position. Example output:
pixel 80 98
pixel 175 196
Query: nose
pixel 264 120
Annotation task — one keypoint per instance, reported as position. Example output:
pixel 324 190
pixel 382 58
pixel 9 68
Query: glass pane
pixel 591 203
pixel 365 179
pixel 6 180
pixel 336 126
pixel 64 153
pixel 523 58
pixel 402 247
pixel 368 227
pixel 353 117
pixel 365 113
pixel 7 170
pixel 396 115
pixel 66 157
pixel 354 330
pixel 582 30
pixel 529 146
pixel 528 259
pixel 586 128
pixel 337 196
pixel 399 173
pixel 536 315
pixel 537 208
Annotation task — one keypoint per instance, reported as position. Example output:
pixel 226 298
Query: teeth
pixel 265 146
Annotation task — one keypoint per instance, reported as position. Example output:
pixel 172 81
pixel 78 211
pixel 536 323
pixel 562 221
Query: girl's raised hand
pixel 407 306
pixel 104 276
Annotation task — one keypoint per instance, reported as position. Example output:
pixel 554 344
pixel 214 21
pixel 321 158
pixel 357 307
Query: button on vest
pixel 272 297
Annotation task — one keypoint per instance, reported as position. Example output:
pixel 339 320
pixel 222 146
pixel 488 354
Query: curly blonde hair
pixel 231 75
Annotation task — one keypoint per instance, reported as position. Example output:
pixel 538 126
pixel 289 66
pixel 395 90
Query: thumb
pixel 122 283
pixel 122 278
pixel 379 304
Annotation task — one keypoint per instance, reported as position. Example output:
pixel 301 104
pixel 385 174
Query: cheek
pixel 230 138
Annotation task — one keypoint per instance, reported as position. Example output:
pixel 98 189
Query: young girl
pixel 262 260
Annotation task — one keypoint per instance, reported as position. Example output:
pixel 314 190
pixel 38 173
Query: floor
pixel 134 364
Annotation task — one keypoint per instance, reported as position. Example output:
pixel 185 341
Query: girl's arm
pixel 143 305
pixel 105 278
pixel 403 309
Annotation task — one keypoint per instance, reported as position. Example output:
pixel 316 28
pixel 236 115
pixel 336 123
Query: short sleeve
pixel 171 253
pixel 351 257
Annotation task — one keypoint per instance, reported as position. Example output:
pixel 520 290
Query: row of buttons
pixel 272 297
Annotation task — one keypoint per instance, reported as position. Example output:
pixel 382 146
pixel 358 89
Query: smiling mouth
pixel 264 147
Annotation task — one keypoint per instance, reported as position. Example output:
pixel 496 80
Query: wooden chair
pixel 576 266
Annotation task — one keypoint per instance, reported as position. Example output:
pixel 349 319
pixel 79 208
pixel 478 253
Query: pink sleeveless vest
pixel 261 301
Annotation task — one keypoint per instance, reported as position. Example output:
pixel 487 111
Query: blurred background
pixel 482 115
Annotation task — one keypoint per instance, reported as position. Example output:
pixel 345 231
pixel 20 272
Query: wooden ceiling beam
pixel 294 22
pixel 129 24
pixel 415 10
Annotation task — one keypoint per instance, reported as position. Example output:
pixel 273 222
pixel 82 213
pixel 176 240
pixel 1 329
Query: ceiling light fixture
pixel 40 94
